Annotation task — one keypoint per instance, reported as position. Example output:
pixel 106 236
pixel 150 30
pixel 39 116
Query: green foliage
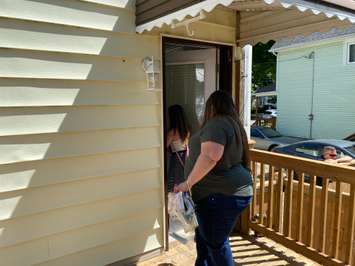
pixel 264 65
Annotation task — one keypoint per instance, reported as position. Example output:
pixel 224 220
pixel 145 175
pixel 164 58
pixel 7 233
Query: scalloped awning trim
pixel 209 5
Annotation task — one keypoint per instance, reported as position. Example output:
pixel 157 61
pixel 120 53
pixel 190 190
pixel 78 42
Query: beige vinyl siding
pixel 24 34
pixel 35 92
pixel 72 13
pixel 80 137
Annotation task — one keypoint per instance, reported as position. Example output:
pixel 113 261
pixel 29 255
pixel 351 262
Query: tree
pixel 264 65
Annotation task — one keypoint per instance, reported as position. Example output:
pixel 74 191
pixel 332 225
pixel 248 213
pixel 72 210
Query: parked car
pixel 312 149
pixel 268 138
pixel 269 114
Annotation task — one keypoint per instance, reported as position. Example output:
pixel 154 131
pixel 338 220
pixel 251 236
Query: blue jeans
pixel 217 215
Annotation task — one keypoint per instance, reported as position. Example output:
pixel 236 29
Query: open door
pixel 192 72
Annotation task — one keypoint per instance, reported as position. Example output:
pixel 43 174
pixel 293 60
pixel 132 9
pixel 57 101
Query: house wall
pixel 334 92
pixel 80 138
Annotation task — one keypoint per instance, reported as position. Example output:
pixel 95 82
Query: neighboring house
pixel 81 137
pixel 316 84
pixel 264 95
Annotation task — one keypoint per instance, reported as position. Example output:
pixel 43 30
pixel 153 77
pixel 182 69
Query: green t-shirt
pixel 228 176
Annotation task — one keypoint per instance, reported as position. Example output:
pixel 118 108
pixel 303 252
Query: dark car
pixel 312 149
pixel 268 138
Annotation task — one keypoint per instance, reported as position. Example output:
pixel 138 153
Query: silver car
pixel 268 138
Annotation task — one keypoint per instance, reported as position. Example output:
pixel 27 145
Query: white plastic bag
pixel 181 209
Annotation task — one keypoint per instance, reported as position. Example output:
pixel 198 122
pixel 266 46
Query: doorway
pixel 192 71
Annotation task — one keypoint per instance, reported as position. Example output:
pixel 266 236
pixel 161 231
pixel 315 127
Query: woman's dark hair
pixel 178 122
pixel 221 103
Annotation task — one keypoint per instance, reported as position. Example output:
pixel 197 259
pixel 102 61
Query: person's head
pixel 329 152
pixel 178 122
pixel 221 103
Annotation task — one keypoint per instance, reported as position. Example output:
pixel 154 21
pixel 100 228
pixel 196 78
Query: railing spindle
pixel 262 193
pixel 255 175
pixel 351 224
pixel 300 207
pixel 280 200
pixel 288 212
pixel 324 211
pixel 338 206
pixel 271 196
pixel 311 213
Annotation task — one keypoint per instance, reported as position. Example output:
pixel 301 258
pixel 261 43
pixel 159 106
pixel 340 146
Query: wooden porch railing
pixel 306 205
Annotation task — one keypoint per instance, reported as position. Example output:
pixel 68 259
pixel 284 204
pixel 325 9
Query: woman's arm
pixel 345 159
pixel 211 153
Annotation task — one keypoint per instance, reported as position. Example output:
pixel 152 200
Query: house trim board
pixel 350 38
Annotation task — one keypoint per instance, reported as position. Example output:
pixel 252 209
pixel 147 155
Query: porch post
pixel 243 103
pixel 246 89
pixel 238 62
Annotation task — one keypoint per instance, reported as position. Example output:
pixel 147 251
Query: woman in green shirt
pixel 217 172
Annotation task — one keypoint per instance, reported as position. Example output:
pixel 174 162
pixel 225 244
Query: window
pixel 256 134
pixel 308 150
pixel 351 53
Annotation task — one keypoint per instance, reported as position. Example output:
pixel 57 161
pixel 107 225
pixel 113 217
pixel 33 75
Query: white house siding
pixel 334 92
pixel 80 138
pixel 293 86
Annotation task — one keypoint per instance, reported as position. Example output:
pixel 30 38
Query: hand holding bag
pixel 181 208
pixel 189 203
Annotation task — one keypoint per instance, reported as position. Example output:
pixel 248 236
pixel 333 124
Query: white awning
pixel 180 15
pixel 209 5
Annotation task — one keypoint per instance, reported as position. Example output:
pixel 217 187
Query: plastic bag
pixel 181 209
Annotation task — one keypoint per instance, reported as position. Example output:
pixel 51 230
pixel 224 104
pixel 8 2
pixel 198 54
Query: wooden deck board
pixel 246 251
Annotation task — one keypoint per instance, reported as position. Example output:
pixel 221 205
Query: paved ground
pixel 260 251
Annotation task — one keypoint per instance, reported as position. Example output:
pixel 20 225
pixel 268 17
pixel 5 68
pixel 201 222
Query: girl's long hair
pixel 178 123
pixel 220 103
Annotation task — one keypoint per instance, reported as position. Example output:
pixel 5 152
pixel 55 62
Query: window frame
pixel 347 51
